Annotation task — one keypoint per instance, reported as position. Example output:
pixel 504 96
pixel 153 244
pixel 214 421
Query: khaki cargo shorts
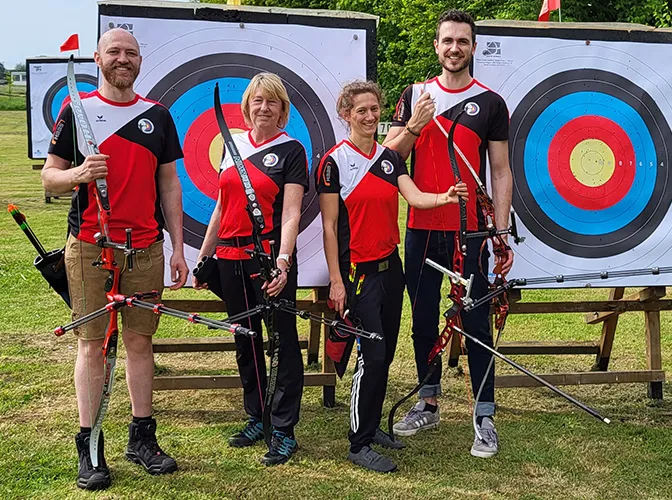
pixel 86 283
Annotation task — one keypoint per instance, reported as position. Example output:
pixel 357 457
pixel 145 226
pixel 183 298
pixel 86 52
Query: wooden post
pixel 654 358
pixel 608 331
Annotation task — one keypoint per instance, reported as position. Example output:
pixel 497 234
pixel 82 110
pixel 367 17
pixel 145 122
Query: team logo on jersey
pixel 145 126
pixel 472 109
pixel 270 160
pixel 387 166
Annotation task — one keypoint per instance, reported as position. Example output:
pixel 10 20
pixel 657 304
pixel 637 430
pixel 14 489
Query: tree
pixel 20 67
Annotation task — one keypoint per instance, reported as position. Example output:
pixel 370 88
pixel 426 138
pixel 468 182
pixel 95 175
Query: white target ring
pixel 524 66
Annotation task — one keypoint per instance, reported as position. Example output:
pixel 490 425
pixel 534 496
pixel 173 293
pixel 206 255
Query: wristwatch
pixel 287 258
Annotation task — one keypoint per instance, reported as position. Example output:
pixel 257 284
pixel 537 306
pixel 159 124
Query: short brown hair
pixel 344 103
pixel 456 16
pixel 272 88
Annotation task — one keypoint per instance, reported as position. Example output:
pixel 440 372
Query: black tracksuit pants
pixel 424 290
pixel 240 294
pixel 378 306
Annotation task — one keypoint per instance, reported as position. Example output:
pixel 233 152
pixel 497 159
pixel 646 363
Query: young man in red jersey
pixel 138 149
pixel 483 128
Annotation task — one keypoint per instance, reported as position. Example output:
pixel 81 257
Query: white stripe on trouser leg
pixel 354 395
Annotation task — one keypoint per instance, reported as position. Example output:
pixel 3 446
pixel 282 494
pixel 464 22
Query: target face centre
pixel 592 162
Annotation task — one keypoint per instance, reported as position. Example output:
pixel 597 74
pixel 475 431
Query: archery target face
pixel 184 59
pixel 47 89
pixel 589 136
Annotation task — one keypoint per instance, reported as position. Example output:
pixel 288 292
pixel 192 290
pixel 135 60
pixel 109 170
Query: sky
pixel 39 27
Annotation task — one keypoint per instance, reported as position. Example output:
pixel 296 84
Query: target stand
pixel 317 304
pixel 649 300
pixel 589 140
pixel 46 91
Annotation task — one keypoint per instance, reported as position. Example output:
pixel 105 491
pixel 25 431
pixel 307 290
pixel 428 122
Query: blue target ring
pixel 538 126
pixel 547 125
pixel 59 97
pixel 191 105
pixel 58 92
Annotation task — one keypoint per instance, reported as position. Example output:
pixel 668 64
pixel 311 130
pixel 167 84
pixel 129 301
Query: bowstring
pixel 247 303
pixel 81 265
pixel 254 348
pixel 426 250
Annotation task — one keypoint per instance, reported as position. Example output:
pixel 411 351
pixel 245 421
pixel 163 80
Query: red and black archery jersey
pixel 270 165
pixel 138 136
pixel 486 119
pixel 368 212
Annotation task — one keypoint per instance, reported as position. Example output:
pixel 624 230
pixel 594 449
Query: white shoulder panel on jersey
pixel 106 119
pixel 246 148
pixel 443 99
pixel 353 165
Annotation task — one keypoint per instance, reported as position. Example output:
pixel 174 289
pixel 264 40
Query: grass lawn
pixel 549 449
pixel 14 100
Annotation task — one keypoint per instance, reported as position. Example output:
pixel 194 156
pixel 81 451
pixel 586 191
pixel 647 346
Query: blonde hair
pixel 272 88
pixel 345 103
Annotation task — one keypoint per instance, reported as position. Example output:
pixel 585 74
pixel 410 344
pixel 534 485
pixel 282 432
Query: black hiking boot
pixel 252 433
pixel 89 478
pixel 282 448
pixel 144 450
pixel 372 460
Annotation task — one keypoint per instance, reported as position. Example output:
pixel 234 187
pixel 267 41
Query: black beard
pixel 465 64
pixel 121 83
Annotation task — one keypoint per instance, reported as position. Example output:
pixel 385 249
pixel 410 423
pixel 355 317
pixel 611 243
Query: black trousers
pixel 240 294
pixel 424 290
pixel 378 306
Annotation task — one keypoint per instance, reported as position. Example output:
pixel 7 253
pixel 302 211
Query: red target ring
pixel 573 145
pixel 201 164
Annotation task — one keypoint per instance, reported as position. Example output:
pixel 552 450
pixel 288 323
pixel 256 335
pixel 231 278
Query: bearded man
pixel 138 148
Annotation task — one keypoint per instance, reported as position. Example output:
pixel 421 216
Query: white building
pixel 18 78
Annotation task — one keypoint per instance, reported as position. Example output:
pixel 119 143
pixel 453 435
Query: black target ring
pixel 58 87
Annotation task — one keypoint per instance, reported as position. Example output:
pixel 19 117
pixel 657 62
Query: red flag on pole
pixel 547 7
pixel 72 43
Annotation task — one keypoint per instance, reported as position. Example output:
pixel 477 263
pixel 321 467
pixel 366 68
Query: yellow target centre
pixel 217 147
pixel 592 162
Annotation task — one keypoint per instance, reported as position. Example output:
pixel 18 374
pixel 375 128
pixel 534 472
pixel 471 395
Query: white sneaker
pixel 488 445
pixel 418 419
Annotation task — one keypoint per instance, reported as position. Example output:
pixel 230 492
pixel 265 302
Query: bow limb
pixel 107 263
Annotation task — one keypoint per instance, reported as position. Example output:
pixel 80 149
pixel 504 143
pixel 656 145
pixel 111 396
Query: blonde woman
pixel 277 167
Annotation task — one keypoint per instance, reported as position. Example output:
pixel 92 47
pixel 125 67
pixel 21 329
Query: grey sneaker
pixel 383 439
pixel 417 420
pixel 372 460
pixel 488 446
